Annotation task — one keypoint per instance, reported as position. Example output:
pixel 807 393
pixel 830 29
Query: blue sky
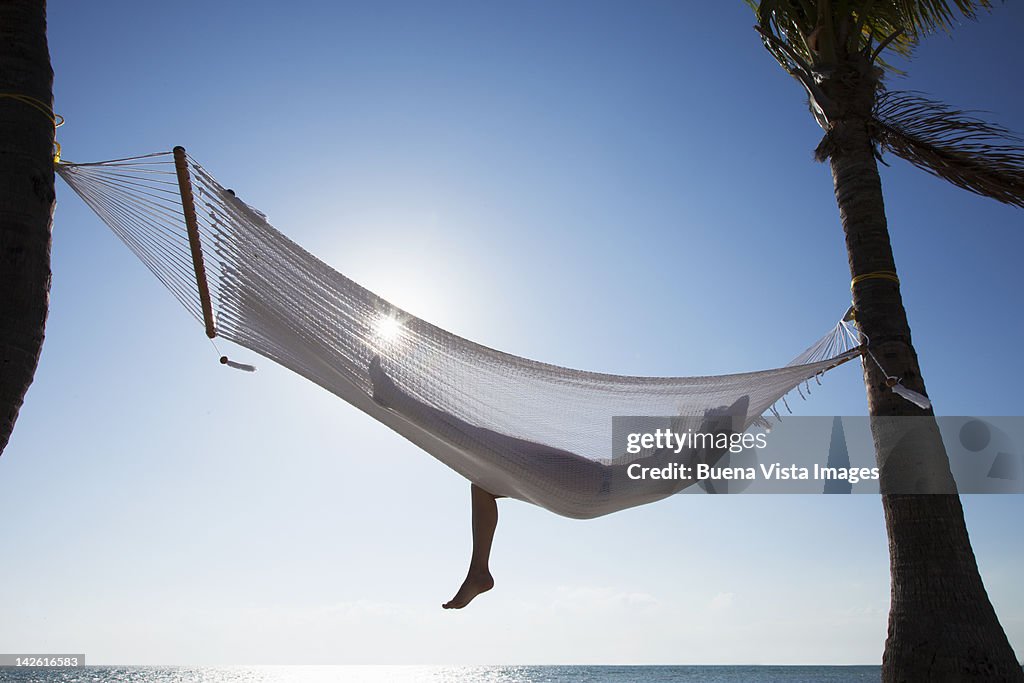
pixel 624 187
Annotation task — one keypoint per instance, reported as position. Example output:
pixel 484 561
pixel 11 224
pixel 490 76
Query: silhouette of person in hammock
pixel 588 477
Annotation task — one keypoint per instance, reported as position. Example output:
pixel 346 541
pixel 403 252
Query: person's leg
pixel 485 520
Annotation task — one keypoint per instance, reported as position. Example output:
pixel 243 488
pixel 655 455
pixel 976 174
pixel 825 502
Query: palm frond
pixel 859 24
pixel 929 16
pixel 954 145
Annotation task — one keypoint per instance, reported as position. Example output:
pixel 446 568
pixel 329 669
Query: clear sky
pixel 625 187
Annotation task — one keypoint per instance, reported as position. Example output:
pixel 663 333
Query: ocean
pixel 445 674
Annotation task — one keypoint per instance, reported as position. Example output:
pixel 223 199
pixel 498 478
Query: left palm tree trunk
pixel 26 200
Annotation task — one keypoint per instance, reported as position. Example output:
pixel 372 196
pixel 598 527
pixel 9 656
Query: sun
pixel 388 328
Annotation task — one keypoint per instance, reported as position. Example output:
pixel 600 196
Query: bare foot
pixel 474 585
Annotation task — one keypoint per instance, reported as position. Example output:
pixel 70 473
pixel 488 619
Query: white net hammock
pixel 516 427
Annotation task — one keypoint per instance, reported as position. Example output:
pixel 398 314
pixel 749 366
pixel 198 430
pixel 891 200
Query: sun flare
pixel 388 328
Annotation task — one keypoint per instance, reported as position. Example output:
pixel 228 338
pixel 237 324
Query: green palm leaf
pixel 817 30
pixel 954 145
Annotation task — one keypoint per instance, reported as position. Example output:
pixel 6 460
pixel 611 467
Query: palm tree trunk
pixel 942 626
pixel 26 201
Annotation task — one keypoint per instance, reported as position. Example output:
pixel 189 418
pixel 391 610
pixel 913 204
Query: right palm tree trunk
pixel 942 626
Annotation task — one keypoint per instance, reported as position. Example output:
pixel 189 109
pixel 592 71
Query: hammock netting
pixel 516 427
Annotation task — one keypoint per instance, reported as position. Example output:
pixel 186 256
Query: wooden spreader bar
pixel 188 205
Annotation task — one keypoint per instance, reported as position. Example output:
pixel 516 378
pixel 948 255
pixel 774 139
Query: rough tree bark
pixel 942 626
pixel 26 201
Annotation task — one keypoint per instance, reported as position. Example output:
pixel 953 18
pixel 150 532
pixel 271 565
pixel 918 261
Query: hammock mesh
pixel 516 427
